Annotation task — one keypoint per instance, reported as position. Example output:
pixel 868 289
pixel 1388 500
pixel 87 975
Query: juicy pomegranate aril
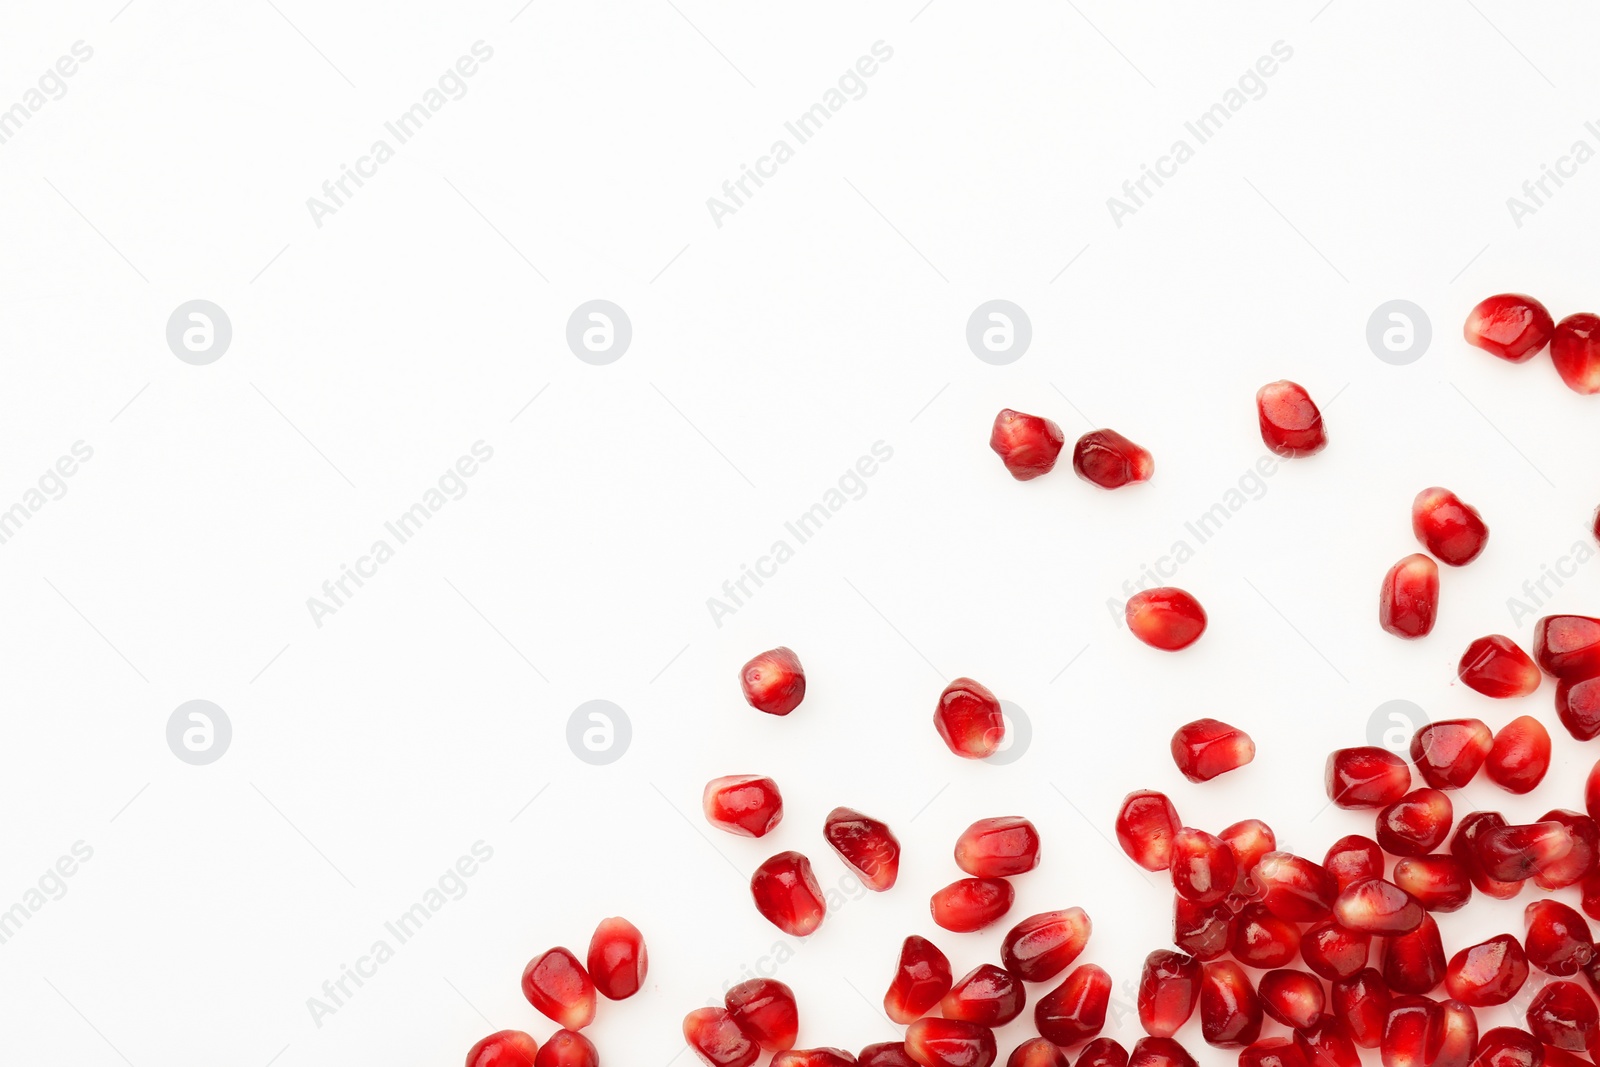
pixel 1334 952
pixel 1438 882
pixel 1516 853
pixel 774 682
pixel 1169 989
pixel 716 1040
pixel 1250 839
pixel 1506 1046
pixel 1110 460
pixel 1563 1014
pixel 886 1054
pixel 557 985
pixel 1146 824
pixel 1361 1003
pixel 998 848
pixel 866 845
pixel 1206 748
pixel 1230 1011
pixel 1291 424
pixel 1326 1043
pixel 988 995
pixel 950 1043
pixel 1520 756
pixel 1558 940
pixel 1377 907
pixel 1451 530
pixel 968 718
pixel 1075 1010
pixel 1416 824
pixel 567 1048
pixel 506 1048
pixel 1159 1052
pixel 1293 998
pixel 1166 618
pixel 1449 754
pixel 1464 847
pixel 1496 667
pixel 970 904
pixel 1294 888
pixel 1042 946
pixel 1509 325
pixel 1408 602
pixel 1038 1052
pixel 1203 867
pixel 1366 777
pixel 1567 646
pixel 1353 859
pixel 1459 1044
pixel 1102 1052
pixel 921 979
pixel 1575 350
pixel 744 804
pixel 1413 1033
pixel 765 1011
pixel 1204 931
pixel 1262 940
pixel 1027 444
pixel 1578 707
pixel 1576 864
pixel 787 894
pixel 1414 962
pixel 1487 973
pixel 618 961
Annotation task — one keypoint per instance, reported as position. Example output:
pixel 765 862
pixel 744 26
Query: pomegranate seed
pixel 1366 777
pixel 1558 940
pixel 1464 847
pixel 1110 460
pixel 970 904
pixel 1166 618
pixel 765 1011
pixel 774 682
pixel 1438 883
pixel 1332 951
pixel 1230 1011
pixel 507 1048
pixel 1042 946
pixel 1506 1046
pixel 1291 425
pixel 1353 859
pixel 1575 865
pixel 1413 1033
pixel 1567 646
pixel 1509 325
pixel 1293 998
pixel 1520 756
pixel 1487 973
pixel 1451 530
pixel 1591 894
pixel 1409 599
pixel 998 848
pixel 1249 840
pixel 1515 853
pixel 1159 1052
pixel 1361 1003
pixel 987 995
pixel 787 895
pixel 1414 962
pixel 1273 1052
pixel 1326 1043
pixel 567 1049
pixel 1578 707
pixel 1497 667
pixel 617 959
pixel 968 718
pixel 716 1040
pixel 866 845
pixel 557 985
pixel 1169 989
pixel 1449 753
pixel 1206 748
pixel 1563 1014
pixel 1038 1052
pixel 886 1054
pixel 1027 444
pixel 743 804
pixel 1560 1057
pixel 949 1043
pixel 1075 1010
pixel 1459 1046
pixel 1575 350
pixel 1262 940
pixel 1416 824
pixel 921 979
pixel 1145 828
pixel 1377 907
pixel 1204 931
pixel 1294 888
pixel 1203 867
pixel 1103 1052
pixel 814 1057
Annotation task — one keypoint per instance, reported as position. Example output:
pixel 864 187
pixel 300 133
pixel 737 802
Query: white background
pixel 768 355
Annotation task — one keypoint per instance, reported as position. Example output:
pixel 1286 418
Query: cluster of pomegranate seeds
pixel 1165 618
pixel 1111 461
pixel 1027 444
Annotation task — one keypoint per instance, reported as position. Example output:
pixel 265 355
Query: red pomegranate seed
pixel 950 1043
pixel 1166 618
pixel 1509 325
pixel 1451 530
pixel 970 904
pixel 774 682
pixel 1567 646
pixel 1497 667
pixel 1438 883
pixel 1448 754
pixel 1262 940
pixel 1110 460
pixel 1353 859
pixel 1332 951
pixel 1520 756
pixel 968 718
pixel 1250 839
pixel 1075 1010
pixel 557 985
pixel 1103 1052
pixel 1042 946
pixel 567 1049
pixel 1169 989
pixel 987 995
pixel 1366 777
pixel 617 959
pixel 1591 894
pixel 1558 940
pixel 1506 1046
pixel 1294 888
pixel 1409 600
pixel 998 848
pixel 921 979
pixel 1414 962
pixel 1563 1014
pixel 1159 1052
pixel 1413 1033
pixel 1326 1043
pixel 886 1054
pixel 1575 865
pixel 1515 853
pixel 1027 444
pixel 814 1057
pixel 1575 350
pixel 1230 1011
pixel 1560 1057
pixel 787 894
pixel 743 804
pixel 1578 707
pixel 1377 907
pixel 507 1048
pixel 716 1040
pixel 1459 1045
pixel 1361 1003
pixel 1487 973
pixel 1204 931
pixel 1203 867
pixel 1146 824
pixel 866 845
pixel 765 1011
pixel 1293 998
pixel 1037 1052
pixel 1273 1052
pixel 1291 425
pixel 1464 847
pixel 1416 824
pixel 1206 748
